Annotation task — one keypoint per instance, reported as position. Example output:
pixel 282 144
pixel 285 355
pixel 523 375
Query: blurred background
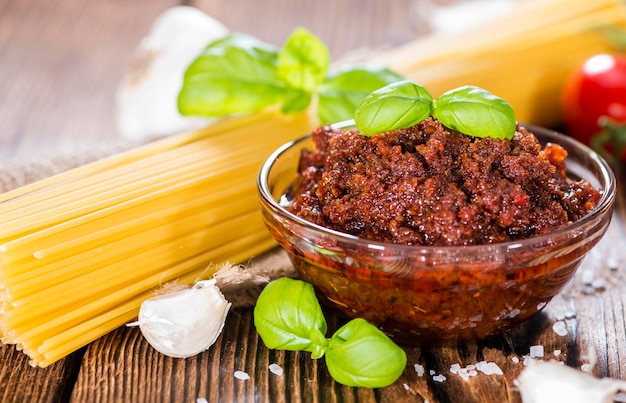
pixel 62 61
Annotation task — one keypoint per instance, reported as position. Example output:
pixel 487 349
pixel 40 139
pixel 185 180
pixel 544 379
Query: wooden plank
pixel 19 382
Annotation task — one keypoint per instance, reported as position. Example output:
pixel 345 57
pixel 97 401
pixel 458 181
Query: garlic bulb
pixel 147 96
pixel 184 323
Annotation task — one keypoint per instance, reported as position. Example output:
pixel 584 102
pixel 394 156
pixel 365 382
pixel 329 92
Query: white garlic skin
pixel 184 323
pixel 146 98
pixel 549 382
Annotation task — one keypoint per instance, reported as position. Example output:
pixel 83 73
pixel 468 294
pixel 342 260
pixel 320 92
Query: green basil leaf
pixel 395 106
pixel 342 92
pixel 476 112
pixel 359 354
pixel 303 60
pixel 288 316
pixel 295 100
pixel 235 74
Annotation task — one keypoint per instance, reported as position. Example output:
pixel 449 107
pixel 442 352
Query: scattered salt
pixel 541 305
pixel 587 277
pixel 432 372
pixel 405 386
pixel 559 327
pixel 536 351
pixel 439 378
pixel 419 369
pixel 527 360
pixel 586 367
pixel 201 400
pixel 242 375
pixel 598 284
pixel 612 263
pixel 489 368
pixel 462 372
pixel 276 369
pixel 515 360
pixel 557 353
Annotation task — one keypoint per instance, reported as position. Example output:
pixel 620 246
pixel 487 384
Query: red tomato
pixel 594 92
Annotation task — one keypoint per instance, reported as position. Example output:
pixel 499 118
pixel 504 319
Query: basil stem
pixel 395 106
pixel 476 112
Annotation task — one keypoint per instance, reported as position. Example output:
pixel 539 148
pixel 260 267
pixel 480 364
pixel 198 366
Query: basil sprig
pixel 241 74
pixel 470 110
pixel 288 316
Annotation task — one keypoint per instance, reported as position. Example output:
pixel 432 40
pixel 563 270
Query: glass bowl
pixel 429 294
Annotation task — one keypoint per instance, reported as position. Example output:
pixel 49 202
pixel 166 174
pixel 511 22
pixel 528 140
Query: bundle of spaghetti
pixel 523 56
pixel 81 250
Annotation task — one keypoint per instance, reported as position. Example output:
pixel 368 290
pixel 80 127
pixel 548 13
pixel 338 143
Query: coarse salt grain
pixel 432 372
pixel 419 369
pixel 489 368
pixel 201 400
pixel 586 367
pixel 587 277
pixel 598 284
pixel 612 263
pixel 242 375
pixel 439 378
pixel 556 353
pixel 559 327
pixel 536 351
pixel 462 372
pixel 405 386
pixel 276 369
pixel 515 359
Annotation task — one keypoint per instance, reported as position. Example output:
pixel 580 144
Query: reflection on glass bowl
pixel 429 294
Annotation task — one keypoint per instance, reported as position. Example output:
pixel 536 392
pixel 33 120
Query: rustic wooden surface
pixel 60 62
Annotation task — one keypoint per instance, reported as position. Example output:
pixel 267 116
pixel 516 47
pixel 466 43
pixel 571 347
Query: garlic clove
pixel 550 381
pixel 147 95
pixel 184 323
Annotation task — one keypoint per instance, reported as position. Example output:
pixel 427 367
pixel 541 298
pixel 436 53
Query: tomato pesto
pixel 430 185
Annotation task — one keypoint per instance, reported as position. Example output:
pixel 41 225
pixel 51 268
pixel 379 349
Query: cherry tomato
pixel 594 104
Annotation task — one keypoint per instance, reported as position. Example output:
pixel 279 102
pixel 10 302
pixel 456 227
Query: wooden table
pixel 60 62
